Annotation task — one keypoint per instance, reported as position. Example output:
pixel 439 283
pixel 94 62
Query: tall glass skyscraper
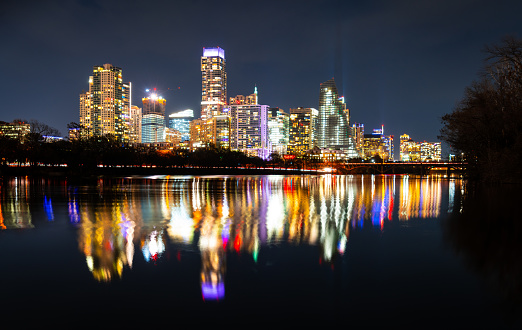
pixel 153 119
pixel 213 82
pixel 333 130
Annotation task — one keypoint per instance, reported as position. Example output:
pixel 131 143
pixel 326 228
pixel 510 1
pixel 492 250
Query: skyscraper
pixel 153 119
pixel 333 130
pixel 301 135
pixel 104 108
pixel 214 82
pixel 332 123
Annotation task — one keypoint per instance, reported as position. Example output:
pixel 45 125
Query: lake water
pixel 414 252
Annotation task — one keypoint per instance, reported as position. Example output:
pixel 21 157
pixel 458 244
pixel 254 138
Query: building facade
pixel 411 151
pixel 213 82
pixel 135 124
pixel 180 121
pixel 249 99
pixel 153 119
pixel 104 109
pixel 152 128
pixel 332 129
pixel 197 134
pixel 431 151
pixel 358 138
pixel 15 130
pixel 378 144
pixel 278 130
pixel 249 129
pixel 301 130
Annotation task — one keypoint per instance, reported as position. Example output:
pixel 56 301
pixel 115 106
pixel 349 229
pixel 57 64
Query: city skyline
pixel 402 65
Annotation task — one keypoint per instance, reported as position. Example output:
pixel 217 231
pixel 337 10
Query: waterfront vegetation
pixel 486 126
pixel 107 155
pixel 108 151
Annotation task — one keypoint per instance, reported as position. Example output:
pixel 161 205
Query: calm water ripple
pixel 373 250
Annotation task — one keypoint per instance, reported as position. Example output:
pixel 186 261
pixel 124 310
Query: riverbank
pixel 62 171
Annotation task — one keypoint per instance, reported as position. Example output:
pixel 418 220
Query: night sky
pixel 402 64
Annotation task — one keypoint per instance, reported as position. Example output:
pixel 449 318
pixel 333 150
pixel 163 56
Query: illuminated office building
pixel 85 113
pixel 358 138
pixel 219 127
pixel 411 151
pixel 104 109
pixel 278 126
pixel 15 130
pixel 378 144
pixel 126 119
pixel 212 131
pixel 153 119
pixel 332 127
pixel 180 121
pixel 249 129
pixel 152 128
pixel 135 124
pixel 172 137
pixel 431 151
pixel 197 134
pixel 214 82
pixel 301 130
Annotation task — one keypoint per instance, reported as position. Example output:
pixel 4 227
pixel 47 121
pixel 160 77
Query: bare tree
pixel 43 129
pixel 486 124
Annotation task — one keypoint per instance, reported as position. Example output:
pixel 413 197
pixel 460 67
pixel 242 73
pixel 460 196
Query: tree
pixel 43 129
pixel 486 125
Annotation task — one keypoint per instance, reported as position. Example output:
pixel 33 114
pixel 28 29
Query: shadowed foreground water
pixel 294 250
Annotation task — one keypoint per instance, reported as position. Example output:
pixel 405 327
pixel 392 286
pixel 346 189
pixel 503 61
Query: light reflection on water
pixel 221 215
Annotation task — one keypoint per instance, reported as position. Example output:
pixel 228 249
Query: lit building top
pixel 213 82
pixel 214 52
pixel 189 113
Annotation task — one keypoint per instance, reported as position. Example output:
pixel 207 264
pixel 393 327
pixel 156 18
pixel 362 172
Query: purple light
pixel 211 292
pixel 214 52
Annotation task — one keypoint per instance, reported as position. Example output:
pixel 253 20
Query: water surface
pixel 361 250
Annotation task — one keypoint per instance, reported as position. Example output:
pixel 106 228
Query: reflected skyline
pixel 226 215
pixel 262 246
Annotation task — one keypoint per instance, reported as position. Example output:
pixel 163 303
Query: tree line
pixel 107 150
pixel 486 125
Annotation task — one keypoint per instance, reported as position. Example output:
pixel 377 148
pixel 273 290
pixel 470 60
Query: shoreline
pixel 57 171
pixel 73 173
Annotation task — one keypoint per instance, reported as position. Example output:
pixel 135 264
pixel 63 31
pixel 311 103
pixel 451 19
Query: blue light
pixel 48 207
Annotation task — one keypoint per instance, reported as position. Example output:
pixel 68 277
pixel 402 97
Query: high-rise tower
pixel 213 82
pixel 153 119
pixel 104 108
pixel 333 130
